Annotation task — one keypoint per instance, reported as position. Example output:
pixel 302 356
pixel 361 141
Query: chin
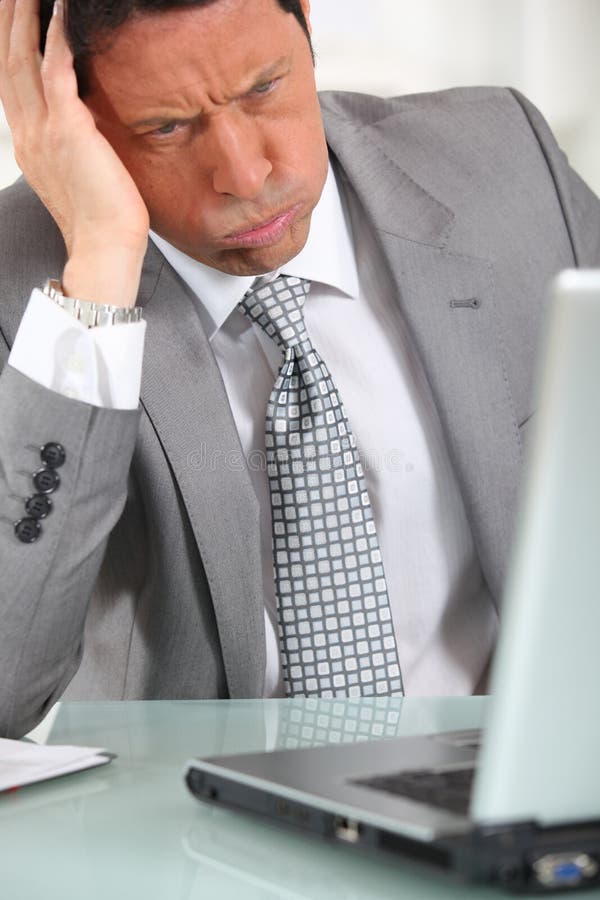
pixel 259 260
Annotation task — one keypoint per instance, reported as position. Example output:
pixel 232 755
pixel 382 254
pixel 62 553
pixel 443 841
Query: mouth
pixel 265 233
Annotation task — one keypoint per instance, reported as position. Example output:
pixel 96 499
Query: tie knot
pixel 277 308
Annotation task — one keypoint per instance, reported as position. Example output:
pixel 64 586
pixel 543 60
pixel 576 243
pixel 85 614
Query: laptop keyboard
pixel 448 789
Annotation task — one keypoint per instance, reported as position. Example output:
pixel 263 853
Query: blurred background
pixel 549 49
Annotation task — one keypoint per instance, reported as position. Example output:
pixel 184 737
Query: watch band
pixel 91 314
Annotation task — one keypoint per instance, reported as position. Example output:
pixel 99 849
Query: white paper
pixel 23 763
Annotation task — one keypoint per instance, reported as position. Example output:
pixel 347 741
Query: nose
pixel 240 167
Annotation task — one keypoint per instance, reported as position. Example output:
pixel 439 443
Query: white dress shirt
pixel 444 619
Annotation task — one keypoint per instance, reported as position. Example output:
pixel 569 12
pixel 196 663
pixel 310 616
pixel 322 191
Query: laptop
pixel 517 805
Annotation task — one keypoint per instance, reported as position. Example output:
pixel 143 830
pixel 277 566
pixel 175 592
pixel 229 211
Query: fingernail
pixel 58 8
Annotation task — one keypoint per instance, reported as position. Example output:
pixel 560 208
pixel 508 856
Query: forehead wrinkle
pixel 209 72
pixel 186 101
pixel 200 99
pixel 131 99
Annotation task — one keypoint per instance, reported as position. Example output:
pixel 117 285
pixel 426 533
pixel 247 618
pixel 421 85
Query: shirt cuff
pixel 101 366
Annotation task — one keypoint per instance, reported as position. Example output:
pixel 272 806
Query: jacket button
pixel 38 506
pixel 53 455
pixel 46 481
pixel 28 530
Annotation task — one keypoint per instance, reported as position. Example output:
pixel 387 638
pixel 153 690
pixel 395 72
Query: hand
pixel 68 163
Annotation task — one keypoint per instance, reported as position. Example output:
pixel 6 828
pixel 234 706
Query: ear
pixel 305 4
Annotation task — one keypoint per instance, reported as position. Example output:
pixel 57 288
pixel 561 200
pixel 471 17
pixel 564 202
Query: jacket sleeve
pixel 46 585
pixel 580 206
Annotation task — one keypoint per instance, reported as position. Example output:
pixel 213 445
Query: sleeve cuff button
pixel 46 481
pixel 53 455
pixel 38 506
pixel 28 530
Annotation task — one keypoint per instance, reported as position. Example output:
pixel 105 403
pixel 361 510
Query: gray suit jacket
pixel 146 582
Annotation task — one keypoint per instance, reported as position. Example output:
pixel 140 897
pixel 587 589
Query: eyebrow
pixel 261 77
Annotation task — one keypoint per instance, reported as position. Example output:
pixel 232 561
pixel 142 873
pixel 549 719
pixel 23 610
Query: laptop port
pixel 346 829
pixel 565 870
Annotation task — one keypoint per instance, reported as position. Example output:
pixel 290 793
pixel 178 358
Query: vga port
pixel 565 870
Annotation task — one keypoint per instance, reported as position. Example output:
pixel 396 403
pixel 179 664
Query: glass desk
pixel 131 829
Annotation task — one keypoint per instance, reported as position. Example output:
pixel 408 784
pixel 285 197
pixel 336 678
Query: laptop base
pixel 522 857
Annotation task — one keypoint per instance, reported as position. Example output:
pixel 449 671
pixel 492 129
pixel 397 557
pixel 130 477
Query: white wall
pixel 547 48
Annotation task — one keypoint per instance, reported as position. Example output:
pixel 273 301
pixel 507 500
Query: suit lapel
pixel 447 300
pixel 185 399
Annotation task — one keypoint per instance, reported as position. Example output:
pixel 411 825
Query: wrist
pixel 109 276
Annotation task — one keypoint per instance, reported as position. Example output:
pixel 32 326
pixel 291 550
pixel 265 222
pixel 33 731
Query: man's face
pixel 214 113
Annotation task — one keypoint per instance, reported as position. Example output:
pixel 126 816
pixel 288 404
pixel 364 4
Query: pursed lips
pixel 265 232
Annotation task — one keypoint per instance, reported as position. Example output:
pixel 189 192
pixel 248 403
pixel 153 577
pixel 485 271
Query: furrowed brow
pixel 268 73
pixel 264 75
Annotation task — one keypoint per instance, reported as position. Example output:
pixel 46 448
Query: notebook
pixel 23 763
pixel 519 804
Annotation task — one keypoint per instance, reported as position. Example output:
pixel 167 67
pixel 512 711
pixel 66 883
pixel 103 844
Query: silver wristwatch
pixel 91 314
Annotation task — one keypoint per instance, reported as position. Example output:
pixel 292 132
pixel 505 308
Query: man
pixel 406 249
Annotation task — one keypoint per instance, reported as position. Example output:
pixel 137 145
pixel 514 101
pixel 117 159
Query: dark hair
pixel 89 22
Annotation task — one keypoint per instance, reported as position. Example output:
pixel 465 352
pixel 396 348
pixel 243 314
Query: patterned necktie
pixel 335 624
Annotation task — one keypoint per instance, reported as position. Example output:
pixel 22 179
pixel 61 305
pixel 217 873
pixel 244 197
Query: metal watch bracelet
pixel 91 314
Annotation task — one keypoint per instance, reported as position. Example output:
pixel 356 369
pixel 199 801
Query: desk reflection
pixel 133 829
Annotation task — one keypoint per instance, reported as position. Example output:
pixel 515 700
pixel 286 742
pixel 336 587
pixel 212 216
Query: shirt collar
pixel 327 258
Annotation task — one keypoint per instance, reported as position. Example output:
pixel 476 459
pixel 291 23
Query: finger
pixel 7 9
pixel 24 58
pixel 58 74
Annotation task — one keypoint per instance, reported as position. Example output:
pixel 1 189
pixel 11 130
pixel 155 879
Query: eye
pixel 264 88
pixel 168 128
